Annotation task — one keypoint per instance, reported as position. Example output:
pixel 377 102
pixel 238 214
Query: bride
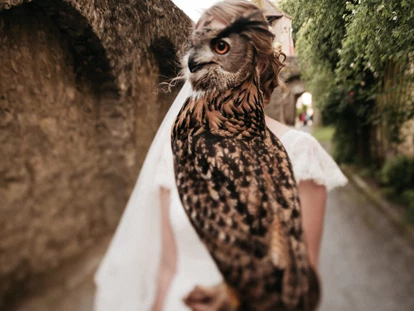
pixel 156 258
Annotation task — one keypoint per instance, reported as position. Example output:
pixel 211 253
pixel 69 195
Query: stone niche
pixel 79 107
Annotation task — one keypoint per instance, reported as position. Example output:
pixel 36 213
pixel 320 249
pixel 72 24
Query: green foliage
pixel 404 200
pixel 408 198
pixel 398 173
pixel 360 46
pixel 342 109
pixel 379 46
pixel 318 29
pixel 323 134
pixel 377 32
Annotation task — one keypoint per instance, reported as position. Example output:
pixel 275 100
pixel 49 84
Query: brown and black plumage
pixel 234 177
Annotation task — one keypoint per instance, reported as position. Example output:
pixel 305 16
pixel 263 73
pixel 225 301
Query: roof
pixel 270 7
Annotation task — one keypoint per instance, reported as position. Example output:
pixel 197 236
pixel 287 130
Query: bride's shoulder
pixel 303 147
pixel 299 139
pixel 311 161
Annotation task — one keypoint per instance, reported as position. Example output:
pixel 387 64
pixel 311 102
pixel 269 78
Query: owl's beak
pixel 193 65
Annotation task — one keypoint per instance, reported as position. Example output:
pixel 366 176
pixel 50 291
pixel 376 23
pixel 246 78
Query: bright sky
pixel 194 8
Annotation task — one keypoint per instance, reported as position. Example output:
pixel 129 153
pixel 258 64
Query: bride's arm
pixel 168 264
pixel 313 200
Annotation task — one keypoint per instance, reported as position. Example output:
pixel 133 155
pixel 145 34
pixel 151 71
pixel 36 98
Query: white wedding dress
pixel 127 277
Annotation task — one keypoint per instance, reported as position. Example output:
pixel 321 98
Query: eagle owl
pixel 233 175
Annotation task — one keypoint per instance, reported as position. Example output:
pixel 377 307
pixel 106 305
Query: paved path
pixel 366 264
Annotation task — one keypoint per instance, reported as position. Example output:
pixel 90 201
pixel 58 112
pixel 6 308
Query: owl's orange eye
pixel 221 47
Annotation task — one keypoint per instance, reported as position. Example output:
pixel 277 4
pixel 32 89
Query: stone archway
pixel 296 89
pixel 167 58
pixel 71 97
pixel 50 151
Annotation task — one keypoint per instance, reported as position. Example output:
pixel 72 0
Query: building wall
pixel 282 105
pixel 282 27
pixel 79 107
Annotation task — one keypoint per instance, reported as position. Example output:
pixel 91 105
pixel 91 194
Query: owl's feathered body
pixel 236 184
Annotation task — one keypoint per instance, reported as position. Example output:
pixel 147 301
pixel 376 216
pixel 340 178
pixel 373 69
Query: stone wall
pixel 78 110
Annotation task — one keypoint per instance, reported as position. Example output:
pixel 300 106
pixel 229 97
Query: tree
pixel 364 48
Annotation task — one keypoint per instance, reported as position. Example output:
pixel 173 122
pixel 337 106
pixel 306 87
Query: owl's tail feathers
pixel 300 284
pixel 301 289
pixel 314 291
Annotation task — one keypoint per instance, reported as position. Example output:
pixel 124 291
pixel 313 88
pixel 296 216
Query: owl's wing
pixel 296 279
pixel 245 215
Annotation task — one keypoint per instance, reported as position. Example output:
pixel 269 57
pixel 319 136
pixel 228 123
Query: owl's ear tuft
pixel 245 25
pixel 272 18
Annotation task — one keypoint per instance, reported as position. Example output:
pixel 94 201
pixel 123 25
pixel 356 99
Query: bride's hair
pixel 273 60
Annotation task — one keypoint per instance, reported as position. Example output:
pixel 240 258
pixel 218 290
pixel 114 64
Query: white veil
pixel 126 278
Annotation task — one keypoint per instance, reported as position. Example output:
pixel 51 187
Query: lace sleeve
pixel 311 162
pixel 165 169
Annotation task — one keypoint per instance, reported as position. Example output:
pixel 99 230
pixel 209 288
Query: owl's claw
pixel 209 299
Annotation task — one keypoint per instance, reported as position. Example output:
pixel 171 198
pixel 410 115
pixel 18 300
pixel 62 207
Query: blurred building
pixel 281 25
pixel 282 106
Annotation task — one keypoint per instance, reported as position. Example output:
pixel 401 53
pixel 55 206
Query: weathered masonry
pixel 78 109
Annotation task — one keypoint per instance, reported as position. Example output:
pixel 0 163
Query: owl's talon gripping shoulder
pixel 217 298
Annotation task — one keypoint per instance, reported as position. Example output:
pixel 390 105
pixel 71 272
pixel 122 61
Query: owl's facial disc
pixel 215 63
pixel 219 47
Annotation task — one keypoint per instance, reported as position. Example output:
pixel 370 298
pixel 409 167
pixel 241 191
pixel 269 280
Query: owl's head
pixel 231 42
